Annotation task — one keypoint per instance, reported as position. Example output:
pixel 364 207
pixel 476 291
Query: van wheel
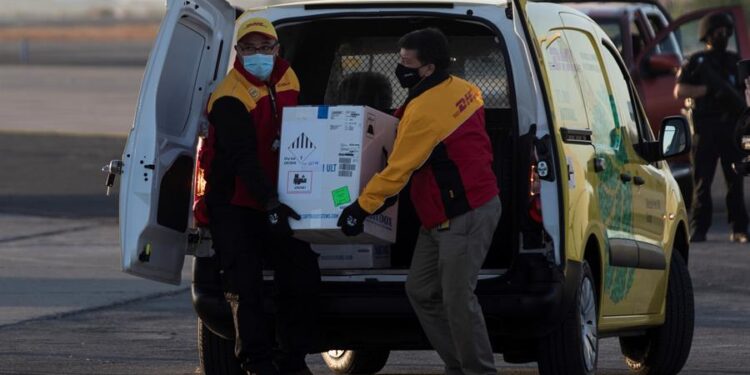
pixel 665 349
pixel 573 347
pixel 355 361
pixel 216 354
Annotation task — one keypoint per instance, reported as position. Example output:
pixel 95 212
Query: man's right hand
pixel 352 219
pixel 278 220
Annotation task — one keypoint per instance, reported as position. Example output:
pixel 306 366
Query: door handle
pixel 638 180
pixel 625 177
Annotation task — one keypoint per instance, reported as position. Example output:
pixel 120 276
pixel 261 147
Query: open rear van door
pixel 189 58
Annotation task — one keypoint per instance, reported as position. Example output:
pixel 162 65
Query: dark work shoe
pixel 740 237
pixel 698 237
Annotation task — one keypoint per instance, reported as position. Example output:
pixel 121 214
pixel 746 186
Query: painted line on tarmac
pixel 45 234
pixel 108 306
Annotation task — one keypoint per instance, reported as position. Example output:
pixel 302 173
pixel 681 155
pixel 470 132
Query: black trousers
pixel 241 240
pixel 713 141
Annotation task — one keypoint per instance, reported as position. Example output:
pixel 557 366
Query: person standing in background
pixel 709 80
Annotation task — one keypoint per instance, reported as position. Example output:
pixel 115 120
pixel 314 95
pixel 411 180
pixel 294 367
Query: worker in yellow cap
pixel 239 163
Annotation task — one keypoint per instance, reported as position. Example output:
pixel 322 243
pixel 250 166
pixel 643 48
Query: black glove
pixel 352 219
pixel 278 220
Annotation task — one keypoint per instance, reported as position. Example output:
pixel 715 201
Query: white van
pixel 593 239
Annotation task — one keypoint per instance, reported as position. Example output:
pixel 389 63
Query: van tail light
pixel 535 201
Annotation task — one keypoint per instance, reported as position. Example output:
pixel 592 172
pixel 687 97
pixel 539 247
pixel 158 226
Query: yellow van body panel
pixel 598 206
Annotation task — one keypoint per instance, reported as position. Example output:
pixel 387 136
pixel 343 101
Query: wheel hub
pixel 336 353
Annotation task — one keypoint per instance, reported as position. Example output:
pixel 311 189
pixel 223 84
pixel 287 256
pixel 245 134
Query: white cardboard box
pixel 327 156
pixel 353 256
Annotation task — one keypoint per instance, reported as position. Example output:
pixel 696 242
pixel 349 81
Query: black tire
pixel 216 354
pixel 564 350
pixel 665 349
pixel 355 361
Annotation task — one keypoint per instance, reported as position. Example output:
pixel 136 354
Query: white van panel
pixel 190 55
pixel 531 110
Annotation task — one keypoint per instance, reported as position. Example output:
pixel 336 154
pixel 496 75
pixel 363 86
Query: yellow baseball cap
pixel 256 25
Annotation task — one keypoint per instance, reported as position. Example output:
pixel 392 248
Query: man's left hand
pixel 352 219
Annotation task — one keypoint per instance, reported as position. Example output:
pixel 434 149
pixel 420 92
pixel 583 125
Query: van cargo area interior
pixel 348 60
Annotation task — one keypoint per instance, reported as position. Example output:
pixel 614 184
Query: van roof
pixel 250 4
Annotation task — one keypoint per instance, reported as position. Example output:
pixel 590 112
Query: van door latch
pixel 112 169
pixel 543 148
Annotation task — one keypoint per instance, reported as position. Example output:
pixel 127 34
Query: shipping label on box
pixel 353 256
pixel 328 154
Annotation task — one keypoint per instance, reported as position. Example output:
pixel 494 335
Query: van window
pixel 566 94
pixel 596 93
pixel 623 100
pixel 184 59
pixel 623 104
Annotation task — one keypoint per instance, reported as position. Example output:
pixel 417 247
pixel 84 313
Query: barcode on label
pixel 346 168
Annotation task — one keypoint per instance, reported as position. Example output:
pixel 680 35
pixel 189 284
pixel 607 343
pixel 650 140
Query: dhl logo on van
pixel 465 101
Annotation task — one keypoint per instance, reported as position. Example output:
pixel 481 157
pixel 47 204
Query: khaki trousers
pixel 440 287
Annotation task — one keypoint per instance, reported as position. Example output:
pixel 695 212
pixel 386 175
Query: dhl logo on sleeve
pixel 462 104
pixel 449 104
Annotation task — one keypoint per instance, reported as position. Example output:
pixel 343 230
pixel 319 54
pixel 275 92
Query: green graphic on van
pixel 616 205
pixel 616 140
pixel 615 198
pixel 618 281
pixel 341 196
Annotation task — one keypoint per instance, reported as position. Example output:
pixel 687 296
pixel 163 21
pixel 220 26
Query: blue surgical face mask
pixel 259 65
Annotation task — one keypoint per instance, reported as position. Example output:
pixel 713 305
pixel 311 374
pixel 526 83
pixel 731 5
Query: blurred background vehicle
pixel 653 46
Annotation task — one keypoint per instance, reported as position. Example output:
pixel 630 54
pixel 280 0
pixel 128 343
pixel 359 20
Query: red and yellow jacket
pixel 239 160
pixel 443 143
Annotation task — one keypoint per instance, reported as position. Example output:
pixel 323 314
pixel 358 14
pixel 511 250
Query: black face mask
pixel 407 77
pixel 719 43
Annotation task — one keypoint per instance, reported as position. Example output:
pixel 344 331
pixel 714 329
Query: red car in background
pixel 653 46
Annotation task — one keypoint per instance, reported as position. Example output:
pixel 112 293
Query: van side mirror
pixel 674 140
pixel 674 137
pixel 663 63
